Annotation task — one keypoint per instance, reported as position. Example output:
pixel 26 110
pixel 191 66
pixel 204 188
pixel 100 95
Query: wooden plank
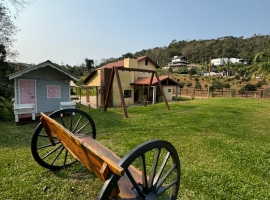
pixel 121 92
pixel 92 158
pixel 109 91
pixel 47 129
pixel 162 92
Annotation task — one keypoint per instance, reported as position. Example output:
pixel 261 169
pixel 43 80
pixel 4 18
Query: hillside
pixel 199 51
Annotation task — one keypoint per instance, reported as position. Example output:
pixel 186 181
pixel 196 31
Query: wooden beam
pixel 162 92
pixel 135 69
pixel 109 90
pixel 121 92
pixel 96 96
pixel 148 90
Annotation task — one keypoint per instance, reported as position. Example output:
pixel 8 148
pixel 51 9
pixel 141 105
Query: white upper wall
pixel 223 61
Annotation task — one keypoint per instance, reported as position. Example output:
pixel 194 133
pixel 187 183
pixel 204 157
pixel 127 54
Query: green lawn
pixel 223 145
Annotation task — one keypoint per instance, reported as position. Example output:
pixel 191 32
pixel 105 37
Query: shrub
pixel 250 87
pixel 247 87
pixel 6 94
pixel 212 88
pixel 198 86
pixel 246 79
pixel 242 91
pixel 189 84
pixel 259 84
pixel 217 85
pixel 182 84
pixel 227 85
pixel 192 71
pixel 237 77
pixel 182 70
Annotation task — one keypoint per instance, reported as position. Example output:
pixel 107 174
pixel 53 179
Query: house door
pixel 27 91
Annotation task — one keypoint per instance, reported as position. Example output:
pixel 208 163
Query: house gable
pixel 42 65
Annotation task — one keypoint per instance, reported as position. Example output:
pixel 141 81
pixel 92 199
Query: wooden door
pixel 27 91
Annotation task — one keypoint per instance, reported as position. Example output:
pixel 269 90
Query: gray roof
pixel 43 64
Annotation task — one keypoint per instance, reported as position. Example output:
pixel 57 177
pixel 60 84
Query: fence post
pixel 261 94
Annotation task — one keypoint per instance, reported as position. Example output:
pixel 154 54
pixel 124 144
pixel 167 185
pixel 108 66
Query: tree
pixel 170 70
pixel 7 31
pixel 198 85
pixel 192 71
pixel 127 55
pixel 261 63
pixel 19 5
pixel 89 63
pixel 228 67
pixel 182 70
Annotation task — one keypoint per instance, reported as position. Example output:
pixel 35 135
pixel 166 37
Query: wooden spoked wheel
pixel 56 157
pixel 152 171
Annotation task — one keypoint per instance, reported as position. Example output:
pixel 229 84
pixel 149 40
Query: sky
pixel 68 31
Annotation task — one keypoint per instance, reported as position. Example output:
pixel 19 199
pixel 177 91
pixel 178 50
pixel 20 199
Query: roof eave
pixel 44 64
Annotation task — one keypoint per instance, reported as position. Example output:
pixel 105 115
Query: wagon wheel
pixel 56 157
pixel 159 164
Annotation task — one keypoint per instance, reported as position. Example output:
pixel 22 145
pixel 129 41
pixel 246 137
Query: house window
pixel 53 91
pixel 169 90
pixel 127 93
pixel 146 62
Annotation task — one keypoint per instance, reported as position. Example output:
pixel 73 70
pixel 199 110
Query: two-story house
pixel 134 83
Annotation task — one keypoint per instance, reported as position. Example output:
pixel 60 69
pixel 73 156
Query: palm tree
pixel 228 67
pixel 261 64
pixel 203 68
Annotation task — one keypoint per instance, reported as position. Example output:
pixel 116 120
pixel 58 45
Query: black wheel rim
pixel 160 166
pixel 56 157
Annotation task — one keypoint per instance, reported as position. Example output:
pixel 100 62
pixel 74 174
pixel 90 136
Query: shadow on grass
pixel 17 136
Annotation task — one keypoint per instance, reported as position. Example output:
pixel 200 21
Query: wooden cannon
pixel 150 171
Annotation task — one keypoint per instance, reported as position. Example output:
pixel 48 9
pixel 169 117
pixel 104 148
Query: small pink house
pixel 40 88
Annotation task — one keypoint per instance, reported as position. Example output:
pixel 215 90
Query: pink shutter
pixel 56 92
pixel 50 91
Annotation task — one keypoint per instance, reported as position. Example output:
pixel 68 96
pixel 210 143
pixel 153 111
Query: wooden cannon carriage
pixel 150 171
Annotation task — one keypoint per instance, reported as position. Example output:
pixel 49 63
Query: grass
pixel 223 145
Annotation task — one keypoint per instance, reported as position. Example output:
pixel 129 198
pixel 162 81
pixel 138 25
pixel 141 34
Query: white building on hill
pixel 223 61
pixel 178 61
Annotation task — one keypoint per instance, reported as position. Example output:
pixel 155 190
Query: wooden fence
pixel 261 93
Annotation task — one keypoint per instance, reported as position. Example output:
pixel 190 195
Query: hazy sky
pixel 67 31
